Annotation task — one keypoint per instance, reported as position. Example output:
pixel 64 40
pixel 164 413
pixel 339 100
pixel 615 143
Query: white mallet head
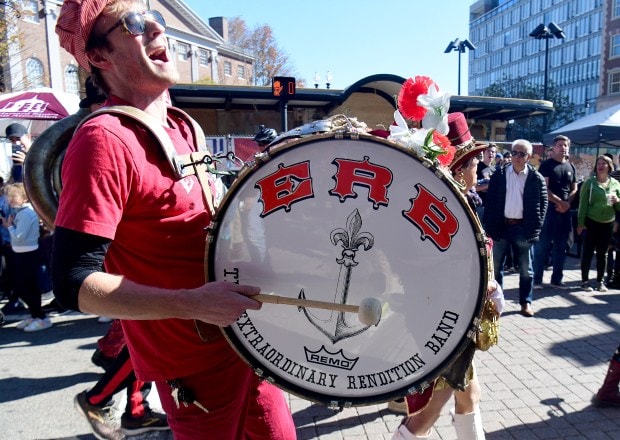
pixel 370 311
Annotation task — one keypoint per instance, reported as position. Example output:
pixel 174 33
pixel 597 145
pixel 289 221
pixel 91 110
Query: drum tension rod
pixel 209 160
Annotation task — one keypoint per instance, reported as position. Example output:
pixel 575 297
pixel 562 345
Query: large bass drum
pixel 340 219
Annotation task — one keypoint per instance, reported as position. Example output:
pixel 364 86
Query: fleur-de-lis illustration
pixel 351 240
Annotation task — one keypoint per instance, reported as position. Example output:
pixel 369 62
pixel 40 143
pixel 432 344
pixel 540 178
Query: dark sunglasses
pixel 519 154
pixel 135 22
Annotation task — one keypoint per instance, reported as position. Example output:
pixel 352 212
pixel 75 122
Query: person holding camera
pixel 20 144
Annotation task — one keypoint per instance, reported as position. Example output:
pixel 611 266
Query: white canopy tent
pixel 599 129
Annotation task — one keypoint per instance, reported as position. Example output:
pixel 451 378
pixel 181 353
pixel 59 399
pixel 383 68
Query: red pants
pixel 240 406
pixel 113 341
pixel 119 376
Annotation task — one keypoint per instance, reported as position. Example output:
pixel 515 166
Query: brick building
pixel 35 58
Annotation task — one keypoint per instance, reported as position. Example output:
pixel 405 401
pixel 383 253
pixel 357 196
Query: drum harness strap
pixel 182 165
pixel 196 163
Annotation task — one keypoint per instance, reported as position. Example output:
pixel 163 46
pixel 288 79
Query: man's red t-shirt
pixel 117 184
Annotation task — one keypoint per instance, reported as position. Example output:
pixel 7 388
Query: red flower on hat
pixel 449 150
pixel 420 99
pixel 408 97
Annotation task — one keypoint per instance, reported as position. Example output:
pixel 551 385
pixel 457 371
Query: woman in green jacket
pixel 598 203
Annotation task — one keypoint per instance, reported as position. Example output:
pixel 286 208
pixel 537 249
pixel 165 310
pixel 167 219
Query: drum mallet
pixel 368 312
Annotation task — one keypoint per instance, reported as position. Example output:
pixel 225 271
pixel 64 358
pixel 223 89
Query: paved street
pixel 537 384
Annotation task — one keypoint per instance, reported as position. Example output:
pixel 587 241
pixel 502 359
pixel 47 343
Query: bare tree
pixel 11 41
pixel 260 42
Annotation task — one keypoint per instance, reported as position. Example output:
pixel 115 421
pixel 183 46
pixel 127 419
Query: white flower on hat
pixel 421 100
pixel 437 104
pixel 408 137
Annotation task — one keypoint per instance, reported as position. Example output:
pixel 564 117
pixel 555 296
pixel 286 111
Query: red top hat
pixel 460 136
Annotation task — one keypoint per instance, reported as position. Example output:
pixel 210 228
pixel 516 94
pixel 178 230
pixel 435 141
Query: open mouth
pixel 159 55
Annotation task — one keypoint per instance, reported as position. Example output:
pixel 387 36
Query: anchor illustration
pixel 351 240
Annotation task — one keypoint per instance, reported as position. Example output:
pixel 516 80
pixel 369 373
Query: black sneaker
pixel 101 360
pixel 100 419
pixel 151 421
pixel 14 308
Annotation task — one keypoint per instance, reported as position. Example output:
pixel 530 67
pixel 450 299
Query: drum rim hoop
pixel 342 401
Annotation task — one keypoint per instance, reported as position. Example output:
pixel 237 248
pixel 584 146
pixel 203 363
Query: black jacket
pixel 534 204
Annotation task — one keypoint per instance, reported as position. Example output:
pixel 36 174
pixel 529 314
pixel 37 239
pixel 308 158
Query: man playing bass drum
pixel 123 207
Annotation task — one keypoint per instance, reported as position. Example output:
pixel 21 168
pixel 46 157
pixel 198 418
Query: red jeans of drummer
pixel 240 406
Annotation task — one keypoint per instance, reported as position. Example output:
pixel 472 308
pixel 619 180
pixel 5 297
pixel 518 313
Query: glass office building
pixel 500 30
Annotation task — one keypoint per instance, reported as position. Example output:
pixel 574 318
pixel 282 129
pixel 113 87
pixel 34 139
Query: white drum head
pixel 341 220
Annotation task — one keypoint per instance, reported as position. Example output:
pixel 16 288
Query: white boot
pixel 402 433
pixel 469 426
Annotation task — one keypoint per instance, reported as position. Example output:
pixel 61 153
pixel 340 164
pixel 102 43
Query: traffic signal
pixel 283 86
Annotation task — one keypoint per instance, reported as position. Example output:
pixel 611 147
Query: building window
pixel 203 55
pixel 227 68
pixel 614 83
pixel 72 82
pixel 30 11
pixel 614 49
pixel 616 9
pixel 34 72
pixel 183 51
pixel 241 72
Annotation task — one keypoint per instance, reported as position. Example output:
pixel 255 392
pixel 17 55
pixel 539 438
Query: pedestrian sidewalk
pixel 536 384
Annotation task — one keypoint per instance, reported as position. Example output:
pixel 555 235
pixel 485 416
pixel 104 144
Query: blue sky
pixel 353 40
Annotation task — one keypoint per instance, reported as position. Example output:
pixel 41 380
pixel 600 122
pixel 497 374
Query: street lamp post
pixel 317 79
pixel 459 46
pixel 588 101
pixel 547 33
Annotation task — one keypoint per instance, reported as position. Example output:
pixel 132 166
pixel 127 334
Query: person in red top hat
pixel 126 209
pixel 460 379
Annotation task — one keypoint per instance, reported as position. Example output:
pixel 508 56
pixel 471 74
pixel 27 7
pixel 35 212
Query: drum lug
pixel 261 376
pixel 261 157
pixel 419 389
pixel 336 406
pixel 209 229
pixel 471 334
